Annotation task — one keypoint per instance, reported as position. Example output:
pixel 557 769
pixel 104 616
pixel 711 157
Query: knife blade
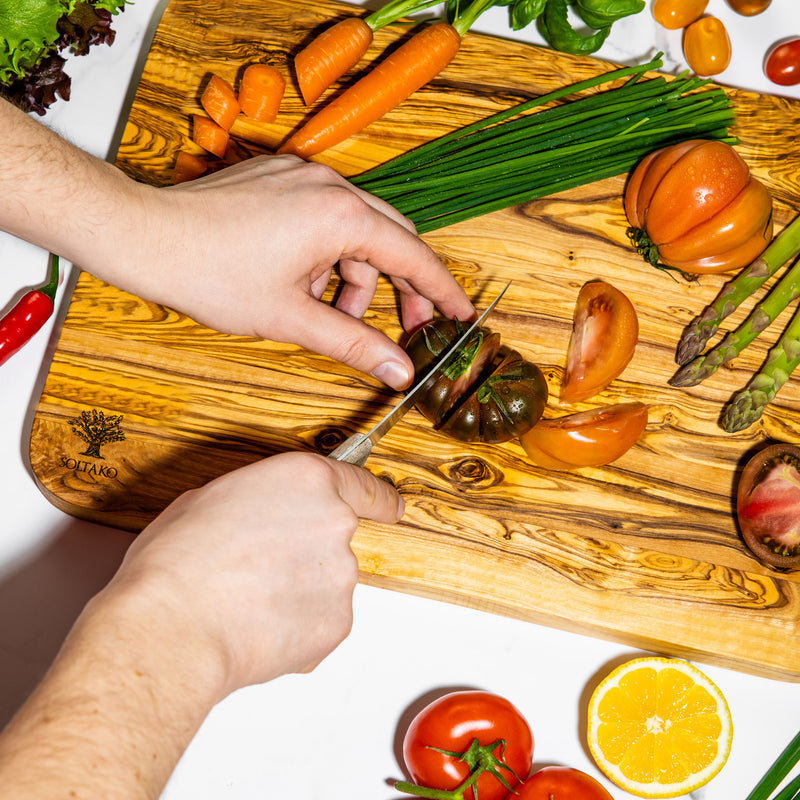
pixel 356 448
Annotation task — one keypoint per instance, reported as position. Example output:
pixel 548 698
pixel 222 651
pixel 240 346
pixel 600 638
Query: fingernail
pixel 392 374
pixel 401 509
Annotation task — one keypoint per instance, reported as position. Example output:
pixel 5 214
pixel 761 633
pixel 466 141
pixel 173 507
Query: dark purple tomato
pixel 490 393
pixel 768 505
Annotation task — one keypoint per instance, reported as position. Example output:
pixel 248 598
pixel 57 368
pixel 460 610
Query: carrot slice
pixel 261 92
pixel 328 56
pixel 187 167
pixel 394 79
pixel 220 103
pixel 209 135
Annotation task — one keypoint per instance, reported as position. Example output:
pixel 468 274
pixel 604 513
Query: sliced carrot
pixel 328 56
pixel 394 79
pixel 187 167
pixel 220 103
pixel 209 135
pixel 261 92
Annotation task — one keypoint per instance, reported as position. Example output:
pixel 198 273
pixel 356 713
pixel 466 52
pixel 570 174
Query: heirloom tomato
pixel 768 505
pixel 605 330
pixel 782 65
pixel 707 46
pixel 749 8
pixel 676 14
pixel 586 439
pixel 486 728
pixel 490 393
pixel 561 783
pixel 696 207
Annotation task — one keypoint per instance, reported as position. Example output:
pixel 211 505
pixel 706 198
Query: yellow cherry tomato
pixel 675 14
pixel 707 46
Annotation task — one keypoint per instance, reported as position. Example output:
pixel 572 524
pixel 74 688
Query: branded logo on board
pixel 97 430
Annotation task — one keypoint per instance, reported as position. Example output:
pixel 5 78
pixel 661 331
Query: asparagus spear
pixel 783 247
pixel 748 405
pixel 762 316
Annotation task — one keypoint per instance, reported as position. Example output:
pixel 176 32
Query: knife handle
pixel 358 456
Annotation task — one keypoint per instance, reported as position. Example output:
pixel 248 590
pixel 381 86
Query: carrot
pixel 327 57
pixel 220 103
pixel 393 80
pixel 261 92
pixel 187 167
pixel 209 135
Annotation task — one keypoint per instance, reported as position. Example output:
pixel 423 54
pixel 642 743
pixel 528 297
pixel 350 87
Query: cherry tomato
pixel 453 723
pixel 749 8
pixel 586 439
pixel 675 14
pixel 707 46
pixel 561 783
pixel 768 505
pixel 488 394
pixel 782 65
pixel 605 330
pixel 695 206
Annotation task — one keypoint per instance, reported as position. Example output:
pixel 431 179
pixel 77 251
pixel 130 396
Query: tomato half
pixel 782 65
pixel 676 14
pixel 605 330
pixel 768 505
pixel 749 8
pixel 490 393
pixel 707 46
pixel 561 783
pixel 586 439
pixel 695 206
pixel 453 723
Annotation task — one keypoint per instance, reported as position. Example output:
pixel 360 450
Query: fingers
pixel 368 496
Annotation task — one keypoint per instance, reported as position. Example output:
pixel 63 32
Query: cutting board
pixel 644 551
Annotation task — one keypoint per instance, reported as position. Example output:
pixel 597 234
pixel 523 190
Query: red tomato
pixel 675 14
pixel 453 723
pixel 749 8
pixel 586 439
pixel 561 783
pixel 707 46
pixel 605 330
pixel 782 65
pixel 768 505
pixel 695 206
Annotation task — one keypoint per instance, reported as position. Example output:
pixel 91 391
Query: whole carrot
pixel 393 80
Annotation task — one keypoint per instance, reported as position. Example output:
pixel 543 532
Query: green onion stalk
pixel 777 772
pixel 515 156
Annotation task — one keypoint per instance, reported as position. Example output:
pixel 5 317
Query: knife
pixel 356 448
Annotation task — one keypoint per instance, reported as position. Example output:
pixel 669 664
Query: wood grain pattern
pixel 644 551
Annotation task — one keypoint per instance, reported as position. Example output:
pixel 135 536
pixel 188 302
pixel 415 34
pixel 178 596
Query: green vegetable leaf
pixel 523 12
pixel 555 27
pixel 600 14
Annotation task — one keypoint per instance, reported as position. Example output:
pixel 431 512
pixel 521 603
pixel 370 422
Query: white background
pixel 334 733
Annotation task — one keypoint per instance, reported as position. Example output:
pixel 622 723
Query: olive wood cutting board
pixel 141 403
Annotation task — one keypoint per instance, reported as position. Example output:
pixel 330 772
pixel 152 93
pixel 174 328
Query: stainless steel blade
pixel 357 448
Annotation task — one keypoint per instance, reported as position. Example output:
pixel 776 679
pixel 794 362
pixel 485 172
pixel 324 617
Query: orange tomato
pixel 605 330
pixel 695 206
pixel 749 8
pixel 707 46
pixel 675 14
pixel 586 439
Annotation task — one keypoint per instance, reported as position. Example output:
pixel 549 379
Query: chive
pixel 778 771
pixel 791 791
pixel 514 156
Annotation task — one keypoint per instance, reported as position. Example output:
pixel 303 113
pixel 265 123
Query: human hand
pixel 250 250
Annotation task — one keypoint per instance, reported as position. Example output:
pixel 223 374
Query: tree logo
pixel 96 429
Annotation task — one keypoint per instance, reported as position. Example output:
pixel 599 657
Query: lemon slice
pixel 658 727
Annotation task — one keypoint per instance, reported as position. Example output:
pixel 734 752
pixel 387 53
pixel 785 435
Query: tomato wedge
pixel 586 439
pixel 605 330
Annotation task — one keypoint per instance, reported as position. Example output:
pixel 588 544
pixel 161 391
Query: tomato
pixel 452 723
pixel 586 439
pixel 675 14
pixel 490 393
pixel 768 505
pixel 782 65
pixel 749 8
pixel 695 206
pixel 561 783
pixel 707 46
pixel 605 330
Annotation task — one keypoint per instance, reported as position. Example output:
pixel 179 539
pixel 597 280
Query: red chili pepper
pixel 28 315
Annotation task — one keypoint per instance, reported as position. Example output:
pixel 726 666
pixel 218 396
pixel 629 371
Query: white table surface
pixel 256 744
